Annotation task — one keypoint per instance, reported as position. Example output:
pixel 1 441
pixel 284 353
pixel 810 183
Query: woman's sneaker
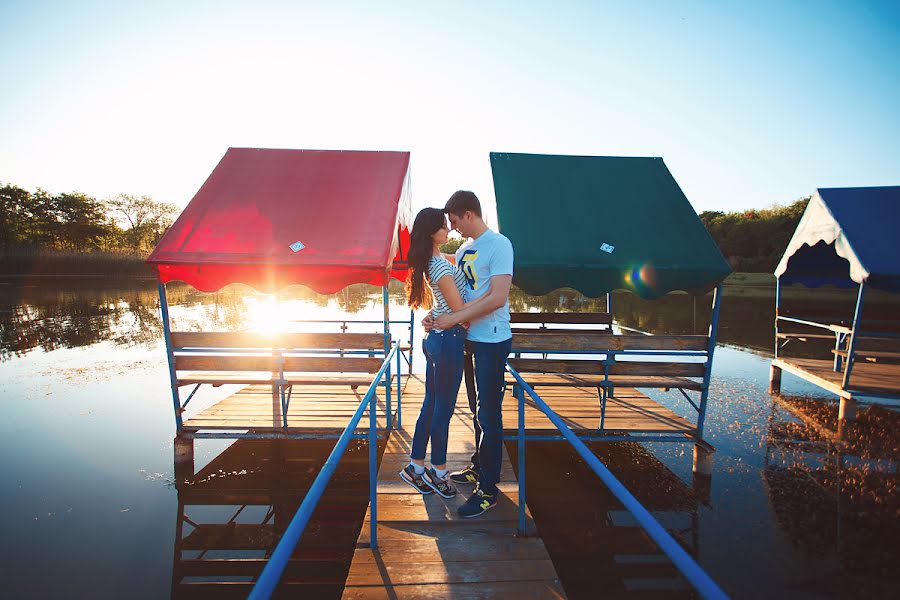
pixel 441 485
pixel 409 475
pixel 466 475
pixel 478 503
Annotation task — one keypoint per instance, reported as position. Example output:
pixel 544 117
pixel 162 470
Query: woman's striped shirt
pixel 439 267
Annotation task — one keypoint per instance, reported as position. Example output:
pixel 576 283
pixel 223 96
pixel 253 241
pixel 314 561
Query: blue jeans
pixel 443 375
pixel 490 366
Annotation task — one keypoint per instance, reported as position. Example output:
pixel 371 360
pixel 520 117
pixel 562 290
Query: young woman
pixel 434 282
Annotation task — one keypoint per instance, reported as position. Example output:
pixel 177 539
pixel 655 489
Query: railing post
pixel 399 393
pixel 851 348
pixel 710 350
pixel 387 347
pixel 373 474
pixel 777 306
pixel 520 396
pixel 412 329
pixel 170 353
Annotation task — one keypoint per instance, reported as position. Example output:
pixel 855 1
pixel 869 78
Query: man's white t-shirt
pixel 480 259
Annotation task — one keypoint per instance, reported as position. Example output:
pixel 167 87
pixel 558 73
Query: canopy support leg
pixel 710 350
pixel 385 300
pixel 851 348
pixel 170 353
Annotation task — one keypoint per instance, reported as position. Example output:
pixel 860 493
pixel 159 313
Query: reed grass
pixel 42 262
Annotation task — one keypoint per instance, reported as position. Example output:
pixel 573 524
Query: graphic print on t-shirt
pixel 467 266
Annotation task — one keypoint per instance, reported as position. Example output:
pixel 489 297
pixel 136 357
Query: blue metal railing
pixel 705 586
pixel 273 570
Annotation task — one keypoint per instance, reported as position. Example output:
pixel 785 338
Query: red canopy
pixel 271 218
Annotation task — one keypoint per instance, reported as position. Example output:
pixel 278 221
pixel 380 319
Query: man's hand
pixel 445 321
pixel 428 323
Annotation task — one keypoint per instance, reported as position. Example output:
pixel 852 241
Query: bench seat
pixel 257 377
pixel 872 355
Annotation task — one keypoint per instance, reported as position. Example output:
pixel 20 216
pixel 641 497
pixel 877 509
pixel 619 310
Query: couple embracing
pixel 468 295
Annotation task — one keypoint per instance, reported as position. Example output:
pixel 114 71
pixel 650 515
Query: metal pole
pixel 520 395
pixel 710 350
pixel 777 305
pixel 609 308
pixel 399 394
pixel 412 328
pixel 385 300
pixel 170 353
pixel 851 348
pixel 373 474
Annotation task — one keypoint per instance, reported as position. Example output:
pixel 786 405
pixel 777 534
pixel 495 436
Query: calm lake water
pixel 91 505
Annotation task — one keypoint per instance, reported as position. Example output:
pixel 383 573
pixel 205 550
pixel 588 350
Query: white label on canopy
pixel 297 246
pixel 607 248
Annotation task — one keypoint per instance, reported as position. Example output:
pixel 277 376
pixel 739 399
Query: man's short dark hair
pixel 462 201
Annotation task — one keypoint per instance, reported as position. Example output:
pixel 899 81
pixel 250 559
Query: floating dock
pixel 424 549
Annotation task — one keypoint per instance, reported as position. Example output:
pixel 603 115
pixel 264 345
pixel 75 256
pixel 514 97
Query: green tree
pixel 145 220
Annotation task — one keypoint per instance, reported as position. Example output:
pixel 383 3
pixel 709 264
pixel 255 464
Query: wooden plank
pixel 560 342
pixel 262 341
pixel 424 572
pixel 603 318
pixel 269 364
pixel 526 590
pixel 596 367
pixel 593 381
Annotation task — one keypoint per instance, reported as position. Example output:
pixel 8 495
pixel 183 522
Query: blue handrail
pixel 703 583
pixel 274 568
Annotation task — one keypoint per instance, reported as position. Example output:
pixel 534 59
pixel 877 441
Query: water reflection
pixel 834 493
pixel 233 511
pixel 594 542
pixel 49 317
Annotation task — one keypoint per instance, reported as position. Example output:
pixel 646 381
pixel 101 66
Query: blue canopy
pixel 846 235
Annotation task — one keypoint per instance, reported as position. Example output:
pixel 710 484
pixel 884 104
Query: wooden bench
pixel 219 358
pixel 679 371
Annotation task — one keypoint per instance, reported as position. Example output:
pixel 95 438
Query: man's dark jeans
pixel 484 386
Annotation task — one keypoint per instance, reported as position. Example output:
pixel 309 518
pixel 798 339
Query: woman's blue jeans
pixel 443 375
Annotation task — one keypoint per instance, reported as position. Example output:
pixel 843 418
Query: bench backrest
pixel 680 352
pixel 227 351
pixel 555 322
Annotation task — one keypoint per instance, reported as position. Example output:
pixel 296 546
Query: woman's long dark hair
pixel 427 223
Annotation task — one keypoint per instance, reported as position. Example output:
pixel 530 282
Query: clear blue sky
pixel 749 103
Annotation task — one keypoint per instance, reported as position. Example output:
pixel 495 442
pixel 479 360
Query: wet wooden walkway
pixel 425 550
pixel 881 380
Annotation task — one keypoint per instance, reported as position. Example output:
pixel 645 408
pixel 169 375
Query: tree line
pixel 751 240
pixel 76 222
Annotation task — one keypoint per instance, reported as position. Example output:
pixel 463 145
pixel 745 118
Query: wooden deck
pixel 312 409
pixel 425 550
pixel 881 380
pixel 328 408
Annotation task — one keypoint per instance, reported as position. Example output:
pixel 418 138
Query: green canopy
pixel 601 223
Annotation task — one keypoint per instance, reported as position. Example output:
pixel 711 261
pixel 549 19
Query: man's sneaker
pixel 467 475
pixel 409 475
pixel 478 503
pixel 441 486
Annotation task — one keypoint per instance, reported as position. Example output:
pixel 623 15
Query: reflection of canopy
pixel 270 218
pixel 598 224
pixel 846 229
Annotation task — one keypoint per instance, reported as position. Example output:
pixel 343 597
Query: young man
pixel 487 262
